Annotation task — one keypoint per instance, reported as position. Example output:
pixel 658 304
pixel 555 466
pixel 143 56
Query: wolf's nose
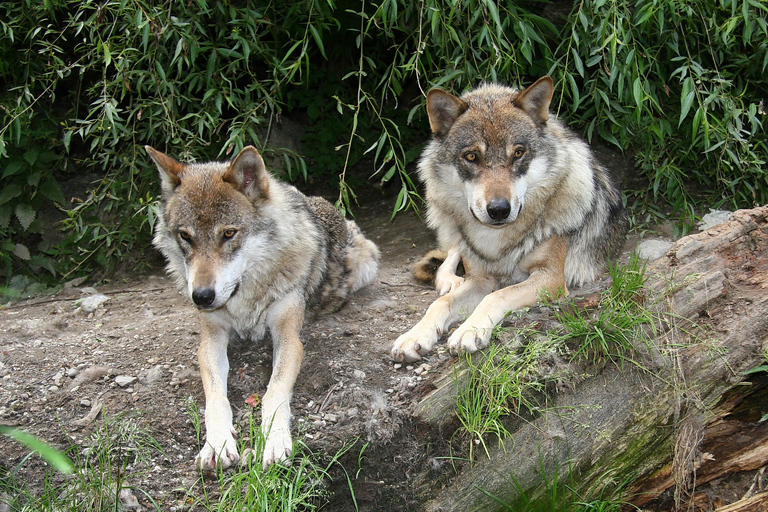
pixel 203 297
pixel 498 209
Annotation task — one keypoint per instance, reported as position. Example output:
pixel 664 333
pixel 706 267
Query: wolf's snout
pixel 203 297
pixel 498 209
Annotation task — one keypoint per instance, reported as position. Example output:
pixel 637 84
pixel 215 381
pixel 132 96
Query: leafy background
pixel 680 85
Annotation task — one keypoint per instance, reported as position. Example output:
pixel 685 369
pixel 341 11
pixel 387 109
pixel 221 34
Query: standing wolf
pixel 253 254
pixel 519 200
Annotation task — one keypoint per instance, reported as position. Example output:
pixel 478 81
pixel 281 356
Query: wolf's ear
pixel 170 170
pixel 248 174
pixel 443 109
pixel 535 99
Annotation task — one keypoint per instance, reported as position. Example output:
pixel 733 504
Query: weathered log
pixel 757 503
pixel 627 424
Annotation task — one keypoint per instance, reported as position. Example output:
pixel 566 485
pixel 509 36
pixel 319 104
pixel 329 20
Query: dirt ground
pixel 135 354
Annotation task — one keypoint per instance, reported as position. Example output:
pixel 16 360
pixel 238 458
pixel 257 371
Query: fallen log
pixel 757 503
pixel 652 423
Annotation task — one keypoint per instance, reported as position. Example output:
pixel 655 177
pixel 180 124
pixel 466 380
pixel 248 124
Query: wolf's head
pixel 210 228
pixel 491 137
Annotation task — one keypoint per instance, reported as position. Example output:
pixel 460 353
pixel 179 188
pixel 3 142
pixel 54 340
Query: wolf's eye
pixel 185 236
pixel 229 233
pixel 519 152
pixel 470 157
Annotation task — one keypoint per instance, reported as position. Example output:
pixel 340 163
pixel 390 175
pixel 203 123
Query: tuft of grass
pixel 122 449
pixel 497 383
pixel 557 494
pixel 298 484
pixel 608 332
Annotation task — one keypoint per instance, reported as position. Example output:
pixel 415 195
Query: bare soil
pixel 135 355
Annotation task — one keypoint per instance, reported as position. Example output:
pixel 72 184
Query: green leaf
pixel 54 457
pixel 31 156
pixel 318 40
pixel 9 192
pixel 12 168
pixel 686 101
pixel 22 252
pixel 26 214
pixel 637 92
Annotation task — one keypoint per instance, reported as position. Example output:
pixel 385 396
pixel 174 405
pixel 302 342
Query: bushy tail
pixel 362 258
pixel 426 268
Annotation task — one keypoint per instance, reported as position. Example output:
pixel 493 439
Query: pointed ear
pixel 248 174
pixel 170 170
pixel 535 99
pixel 443 109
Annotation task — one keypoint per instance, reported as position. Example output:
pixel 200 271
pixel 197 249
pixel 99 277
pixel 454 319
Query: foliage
pixel 86 84
pixel 680 83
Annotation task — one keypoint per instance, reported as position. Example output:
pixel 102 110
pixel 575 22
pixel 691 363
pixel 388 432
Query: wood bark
pixel 658 426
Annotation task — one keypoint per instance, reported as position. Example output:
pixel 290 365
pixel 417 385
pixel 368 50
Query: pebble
pixel 125 380
pixel 85 402
pixel 72 373
pixel 359 374
pixel 397 366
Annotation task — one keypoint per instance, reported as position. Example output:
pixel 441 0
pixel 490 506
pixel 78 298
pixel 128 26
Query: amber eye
pixel 519 152
pixel 185 236
pixel 229 233
pixel 470 157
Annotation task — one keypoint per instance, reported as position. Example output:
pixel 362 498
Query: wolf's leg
pixel 284 319
pixel 440 315
pixel 545 267
pixel 446 279
pixel 220 446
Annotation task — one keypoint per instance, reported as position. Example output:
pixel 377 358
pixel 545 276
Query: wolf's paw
pixel 410 346
pixel 447 283
pixel 219 450
pixel 277 448
pixel 468 340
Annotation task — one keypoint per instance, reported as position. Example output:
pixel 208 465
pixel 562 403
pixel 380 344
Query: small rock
pixel 397 366
pixel 53 388
pixel 91 303
pixel 713 218
pixel 129 499
pixel 125 380
pixel 332 418
pixel 652 250
pixel 359 374
pixel 85 402
pixel 72 373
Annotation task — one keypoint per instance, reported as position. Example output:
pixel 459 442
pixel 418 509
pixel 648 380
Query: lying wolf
pixel 516 198
pixel 254 255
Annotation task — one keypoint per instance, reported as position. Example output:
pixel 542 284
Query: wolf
pixel 254 255
pixel 517 199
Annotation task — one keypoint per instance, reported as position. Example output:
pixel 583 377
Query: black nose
pixel 203 297
pixel 498 209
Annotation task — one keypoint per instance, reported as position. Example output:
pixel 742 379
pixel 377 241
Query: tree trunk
pixel 672 422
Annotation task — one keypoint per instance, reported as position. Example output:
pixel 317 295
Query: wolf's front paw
pixel 410 346
pixel 219 450
pixel 447 282
pixel 468 340
pixel 277 448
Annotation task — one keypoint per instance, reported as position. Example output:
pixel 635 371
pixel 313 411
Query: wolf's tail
pixel 362 258
pixel 426 268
